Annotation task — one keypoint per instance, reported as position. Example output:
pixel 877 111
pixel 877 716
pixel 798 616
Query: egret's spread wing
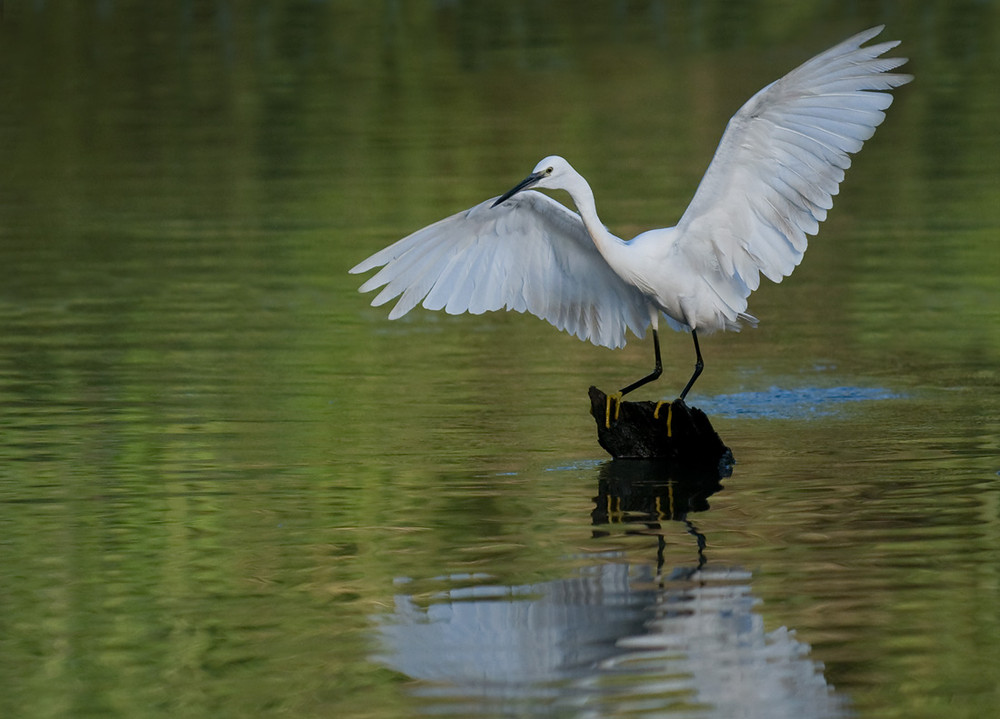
pixel 528 254
pixel 780 163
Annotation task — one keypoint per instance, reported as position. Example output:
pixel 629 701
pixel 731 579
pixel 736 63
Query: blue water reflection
pixel 791 403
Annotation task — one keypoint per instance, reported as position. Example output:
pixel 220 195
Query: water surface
pixel 229 487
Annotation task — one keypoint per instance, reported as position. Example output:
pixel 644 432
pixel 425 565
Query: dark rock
pixel 674 432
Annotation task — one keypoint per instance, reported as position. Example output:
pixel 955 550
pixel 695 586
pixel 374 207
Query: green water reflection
pixel 218 464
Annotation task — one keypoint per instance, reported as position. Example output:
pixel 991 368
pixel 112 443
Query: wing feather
pixel 780 163
pixel 529 254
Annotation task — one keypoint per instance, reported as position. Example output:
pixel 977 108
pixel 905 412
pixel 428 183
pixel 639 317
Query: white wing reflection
pixel 607 642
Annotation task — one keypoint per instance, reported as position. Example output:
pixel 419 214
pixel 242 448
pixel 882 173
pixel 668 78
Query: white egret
pixel 770 184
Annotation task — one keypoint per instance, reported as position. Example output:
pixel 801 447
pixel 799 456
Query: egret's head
pixel 550 172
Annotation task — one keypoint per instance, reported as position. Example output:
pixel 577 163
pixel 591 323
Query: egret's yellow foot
pixel 617 397
pixel 670 414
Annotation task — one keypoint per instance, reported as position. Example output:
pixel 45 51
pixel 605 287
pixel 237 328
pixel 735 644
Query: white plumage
pixel 530 254
pixel 770 184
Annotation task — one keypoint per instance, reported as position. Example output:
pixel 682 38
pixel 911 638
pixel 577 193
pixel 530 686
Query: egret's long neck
pixel 607 244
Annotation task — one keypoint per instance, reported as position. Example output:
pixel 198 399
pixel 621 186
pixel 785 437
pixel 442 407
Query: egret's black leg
pixel 657 371
pixel 698 365
pixel 617 396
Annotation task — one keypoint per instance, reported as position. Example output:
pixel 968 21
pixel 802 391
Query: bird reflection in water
pixel 615 637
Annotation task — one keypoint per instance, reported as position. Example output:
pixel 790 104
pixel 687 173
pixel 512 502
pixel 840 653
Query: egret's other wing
pixel 528 254
pixel 780 163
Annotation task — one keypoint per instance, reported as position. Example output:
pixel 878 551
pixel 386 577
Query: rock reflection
pixel 643 493
pixel 619 638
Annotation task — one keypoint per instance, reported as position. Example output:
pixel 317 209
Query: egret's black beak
pixel 522 185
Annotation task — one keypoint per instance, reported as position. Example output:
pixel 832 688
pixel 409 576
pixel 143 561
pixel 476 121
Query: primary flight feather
pixel 769 185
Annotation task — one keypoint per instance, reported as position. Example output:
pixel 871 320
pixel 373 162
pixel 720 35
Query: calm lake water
pixel 230 488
